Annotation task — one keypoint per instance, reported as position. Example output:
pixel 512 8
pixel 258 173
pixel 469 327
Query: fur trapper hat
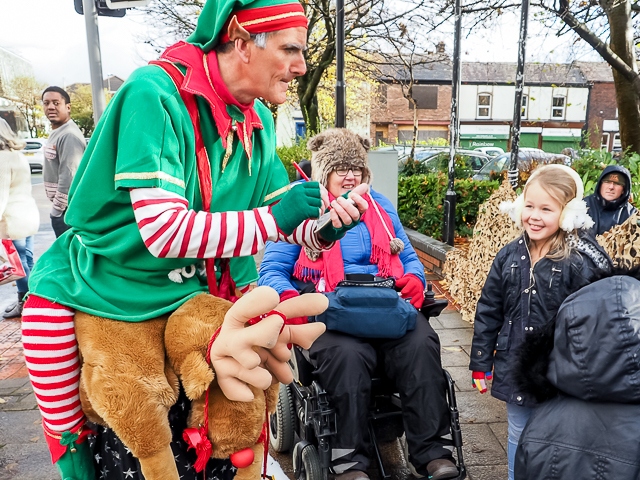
pixel 335 147
pixel 574 214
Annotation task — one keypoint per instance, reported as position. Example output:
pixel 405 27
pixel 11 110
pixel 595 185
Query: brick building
pixel 602 112
pixel 392 116
pixel 560 103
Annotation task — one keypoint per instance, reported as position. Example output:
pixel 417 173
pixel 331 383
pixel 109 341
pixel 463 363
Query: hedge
pixel 421 199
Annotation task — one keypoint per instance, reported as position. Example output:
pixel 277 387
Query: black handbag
pixel 368 307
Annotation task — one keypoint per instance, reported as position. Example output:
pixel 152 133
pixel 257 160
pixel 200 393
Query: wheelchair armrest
pixel 433 307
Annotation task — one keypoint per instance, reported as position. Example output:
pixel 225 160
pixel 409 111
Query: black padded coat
pixel 517 302
pixel 591 429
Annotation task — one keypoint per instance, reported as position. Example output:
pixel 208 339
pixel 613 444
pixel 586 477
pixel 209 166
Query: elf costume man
pixel 179 186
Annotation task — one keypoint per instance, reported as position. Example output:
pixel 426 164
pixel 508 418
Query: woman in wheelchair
pixel 343 363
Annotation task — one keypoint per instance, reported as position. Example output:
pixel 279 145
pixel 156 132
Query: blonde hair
pixel 560 186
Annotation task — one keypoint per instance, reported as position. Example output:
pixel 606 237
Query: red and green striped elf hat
pixel 255 16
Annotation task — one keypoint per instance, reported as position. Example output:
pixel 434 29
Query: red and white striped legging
pixel 51 355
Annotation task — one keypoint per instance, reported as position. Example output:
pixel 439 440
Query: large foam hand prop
pixel 304 335
pixel 238 351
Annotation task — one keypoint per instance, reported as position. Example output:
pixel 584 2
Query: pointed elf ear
pixel 237 31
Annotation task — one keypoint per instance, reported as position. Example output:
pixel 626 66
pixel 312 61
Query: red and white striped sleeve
pixel 170 229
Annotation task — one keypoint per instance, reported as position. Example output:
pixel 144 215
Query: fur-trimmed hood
pixel 592 350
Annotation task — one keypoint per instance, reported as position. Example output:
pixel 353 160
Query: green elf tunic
pixel 146 139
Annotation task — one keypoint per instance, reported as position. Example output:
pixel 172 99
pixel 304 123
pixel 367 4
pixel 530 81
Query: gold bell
pixel 73 450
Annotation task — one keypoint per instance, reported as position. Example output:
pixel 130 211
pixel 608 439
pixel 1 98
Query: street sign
pixel 115 4
pixel 101 7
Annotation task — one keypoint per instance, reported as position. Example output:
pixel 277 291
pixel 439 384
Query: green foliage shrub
pixel 295 153
pixel 421 198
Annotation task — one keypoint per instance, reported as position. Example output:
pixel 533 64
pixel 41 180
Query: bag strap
pixel 227 285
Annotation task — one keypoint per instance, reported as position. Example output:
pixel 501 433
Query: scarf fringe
pixel 381 258
pixel 306 274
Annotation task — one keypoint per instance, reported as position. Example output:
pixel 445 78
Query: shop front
pixel 554 140
pixel 474 136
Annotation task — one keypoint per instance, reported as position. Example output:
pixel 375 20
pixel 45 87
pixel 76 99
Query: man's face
pixel 610 190
pixel 56 109
pixel 278 63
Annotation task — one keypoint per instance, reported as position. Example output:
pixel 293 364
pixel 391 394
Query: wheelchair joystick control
pixel 429 295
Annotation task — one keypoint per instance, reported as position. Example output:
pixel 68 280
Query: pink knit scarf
pixel 330 265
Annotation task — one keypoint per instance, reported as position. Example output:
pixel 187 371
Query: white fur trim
pixel 575 216
pixel 514 209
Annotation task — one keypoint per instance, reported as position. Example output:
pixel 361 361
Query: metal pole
pixel 517 107
pixel 341 97
pixel 95 60
pixel 449 230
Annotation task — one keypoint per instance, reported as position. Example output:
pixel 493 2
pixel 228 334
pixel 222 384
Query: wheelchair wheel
pixel 311 469
pixel 283 422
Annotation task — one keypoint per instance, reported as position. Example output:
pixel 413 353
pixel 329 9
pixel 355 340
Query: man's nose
pixel 299 66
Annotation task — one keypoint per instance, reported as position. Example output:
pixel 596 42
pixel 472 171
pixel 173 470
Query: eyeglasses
pixel 343 171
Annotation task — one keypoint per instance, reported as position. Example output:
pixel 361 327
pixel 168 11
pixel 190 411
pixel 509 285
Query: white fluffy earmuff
pixel 574 214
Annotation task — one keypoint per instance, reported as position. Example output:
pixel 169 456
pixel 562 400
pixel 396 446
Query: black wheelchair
pixel 304 421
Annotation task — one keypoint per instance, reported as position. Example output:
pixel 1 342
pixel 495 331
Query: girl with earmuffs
pixel 529 279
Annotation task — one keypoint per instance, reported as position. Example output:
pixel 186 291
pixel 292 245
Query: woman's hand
pixel 344 212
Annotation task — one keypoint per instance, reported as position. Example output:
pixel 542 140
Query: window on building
pixel 426 96
pixel 557 109
pixel 604 143
pixel 484 105
pixel 617 144
pixel 525 106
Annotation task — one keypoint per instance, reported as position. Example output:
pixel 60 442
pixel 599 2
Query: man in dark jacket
pixel 590 428
pixel 609 204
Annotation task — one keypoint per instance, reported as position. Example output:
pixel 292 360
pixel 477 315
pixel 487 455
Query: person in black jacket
pixel 529 279
pixel 590 362
pixel 609 204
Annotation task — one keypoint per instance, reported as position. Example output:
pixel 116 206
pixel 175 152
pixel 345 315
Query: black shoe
pixel 15 312
pixel 441 469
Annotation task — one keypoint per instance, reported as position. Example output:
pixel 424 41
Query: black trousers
pixel 344 365
pixel 59 226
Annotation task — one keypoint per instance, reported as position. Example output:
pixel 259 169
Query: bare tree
pixel 608 27
pixel 400 55
pixel 364 19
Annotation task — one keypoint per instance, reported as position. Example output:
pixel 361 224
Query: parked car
pixel 405 150
pixel 490 151
pixel 494 167
pixel 437 160
pixel 34 151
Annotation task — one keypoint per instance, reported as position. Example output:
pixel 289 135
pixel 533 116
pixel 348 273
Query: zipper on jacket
pixel 554 270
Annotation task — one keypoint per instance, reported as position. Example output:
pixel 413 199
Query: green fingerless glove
pixel 331 234
pixel 300 203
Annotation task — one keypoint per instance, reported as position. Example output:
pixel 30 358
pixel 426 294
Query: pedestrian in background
pixel 609 204
pixel 529 279
pixel 19 217
pixel 62 154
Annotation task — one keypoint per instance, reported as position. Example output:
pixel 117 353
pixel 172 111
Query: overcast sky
pixel 52 36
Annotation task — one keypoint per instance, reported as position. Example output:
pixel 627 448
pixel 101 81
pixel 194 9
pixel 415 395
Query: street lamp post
pixel 517 107
pixel 95 59
pixel 341 98
pixel 449 230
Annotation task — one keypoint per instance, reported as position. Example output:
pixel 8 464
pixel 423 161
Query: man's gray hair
pixel 260 39
pixel 8 139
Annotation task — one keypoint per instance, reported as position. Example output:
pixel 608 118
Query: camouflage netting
pixel 465 271
pixel 622 243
